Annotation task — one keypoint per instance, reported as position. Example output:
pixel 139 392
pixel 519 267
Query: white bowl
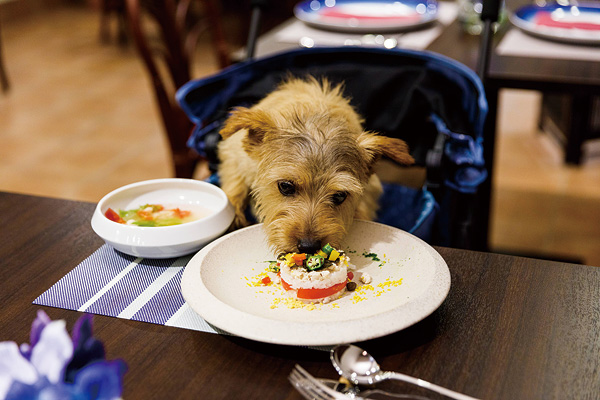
pixel 164 241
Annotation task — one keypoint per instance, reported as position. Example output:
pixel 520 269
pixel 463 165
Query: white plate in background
pixel 367 16
pixel 573 24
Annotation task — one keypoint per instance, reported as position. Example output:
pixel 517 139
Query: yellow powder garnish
pixel 357 298
pixel 257 280
pixel 389 283
pixel 364 288
pixel 292 303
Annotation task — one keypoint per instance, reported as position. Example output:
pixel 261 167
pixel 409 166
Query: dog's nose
pixel 309 245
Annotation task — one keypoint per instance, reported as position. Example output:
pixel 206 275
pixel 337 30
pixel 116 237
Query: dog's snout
pixel 309 245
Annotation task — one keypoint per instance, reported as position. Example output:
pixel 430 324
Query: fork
pixel 317 389
pixel 311 388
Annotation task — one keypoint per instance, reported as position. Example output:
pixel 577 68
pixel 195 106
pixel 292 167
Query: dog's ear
pixel 376 146
pixel 256 121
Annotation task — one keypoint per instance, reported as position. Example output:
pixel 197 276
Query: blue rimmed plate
pixel 367 15
pixel 574 24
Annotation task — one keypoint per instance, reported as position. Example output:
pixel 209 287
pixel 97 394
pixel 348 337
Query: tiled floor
pixel 80 121
pixel 541 206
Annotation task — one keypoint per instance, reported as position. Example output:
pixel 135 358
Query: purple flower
pixel 87 349
pixel 56 366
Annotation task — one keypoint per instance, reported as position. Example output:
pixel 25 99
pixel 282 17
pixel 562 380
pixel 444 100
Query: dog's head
pixel 314 166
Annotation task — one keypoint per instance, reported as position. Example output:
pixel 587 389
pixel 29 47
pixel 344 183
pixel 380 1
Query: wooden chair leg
pixel 3 76
pixel 116 8
pixel 581 111
pixel 184 163
pixel 104 31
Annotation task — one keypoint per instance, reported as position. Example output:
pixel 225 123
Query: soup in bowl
pixel 162 218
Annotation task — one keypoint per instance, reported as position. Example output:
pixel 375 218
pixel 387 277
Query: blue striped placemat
pixel 117 285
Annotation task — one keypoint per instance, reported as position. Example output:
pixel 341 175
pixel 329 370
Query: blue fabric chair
pixel 435 104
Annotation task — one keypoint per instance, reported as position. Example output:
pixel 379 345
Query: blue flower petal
pixel 14 367
pixel 44 390
pixel 53 351
pixel 24 391
pixel 92 351
pixel 62 392
pixel 37 326
pixel 87 349
pixel 38 372
pixel 82 330
pixel 101 380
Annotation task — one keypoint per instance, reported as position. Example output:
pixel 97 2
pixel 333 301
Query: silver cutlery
pixel 360 368
pixel 310 388
pixel 324 389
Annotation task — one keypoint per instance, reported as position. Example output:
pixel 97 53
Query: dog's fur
pixel 307 137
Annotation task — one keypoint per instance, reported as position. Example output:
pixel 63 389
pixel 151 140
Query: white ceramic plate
pixel 573 24
pixel 367 16
pixel 216 286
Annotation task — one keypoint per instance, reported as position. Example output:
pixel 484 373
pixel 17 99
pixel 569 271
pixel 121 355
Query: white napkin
pixel 417 40
pixel 518 43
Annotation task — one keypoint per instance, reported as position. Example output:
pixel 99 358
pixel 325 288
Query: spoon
pixel 360 368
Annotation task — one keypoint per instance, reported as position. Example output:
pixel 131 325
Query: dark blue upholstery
pixel 413 95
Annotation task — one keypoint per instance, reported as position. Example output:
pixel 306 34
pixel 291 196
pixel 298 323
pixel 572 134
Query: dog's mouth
pixel 286 237
pixel 309 245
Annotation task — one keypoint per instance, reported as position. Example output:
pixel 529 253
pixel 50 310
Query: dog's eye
pixel 286 188
pixel 338 198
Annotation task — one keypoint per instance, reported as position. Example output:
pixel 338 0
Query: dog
pixel 303 163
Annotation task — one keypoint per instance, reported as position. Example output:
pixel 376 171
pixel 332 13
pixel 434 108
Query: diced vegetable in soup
pixel 154 215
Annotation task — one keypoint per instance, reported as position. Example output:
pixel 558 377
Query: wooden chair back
pixel 166 34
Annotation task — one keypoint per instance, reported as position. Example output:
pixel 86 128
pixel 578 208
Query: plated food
pixel 312 281
pixel 316 278
pixel 152 215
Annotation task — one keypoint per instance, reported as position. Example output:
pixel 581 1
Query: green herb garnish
pixel 372 256
pixel 273 267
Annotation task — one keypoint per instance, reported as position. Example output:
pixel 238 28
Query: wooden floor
pixel 80 121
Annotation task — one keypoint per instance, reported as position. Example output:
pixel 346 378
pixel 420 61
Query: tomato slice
pixel 181 213
pixel 319 293
pixel 145 215
pixel 285 285
pixel 114 216
pixel 266 280
pixel 315 293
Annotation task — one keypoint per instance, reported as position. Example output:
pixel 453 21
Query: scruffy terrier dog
pixel 301 159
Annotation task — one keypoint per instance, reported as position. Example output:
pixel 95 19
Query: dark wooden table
pixel 510 328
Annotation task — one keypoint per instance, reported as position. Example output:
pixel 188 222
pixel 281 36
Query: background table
pixel 511 328
pixel 577 80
